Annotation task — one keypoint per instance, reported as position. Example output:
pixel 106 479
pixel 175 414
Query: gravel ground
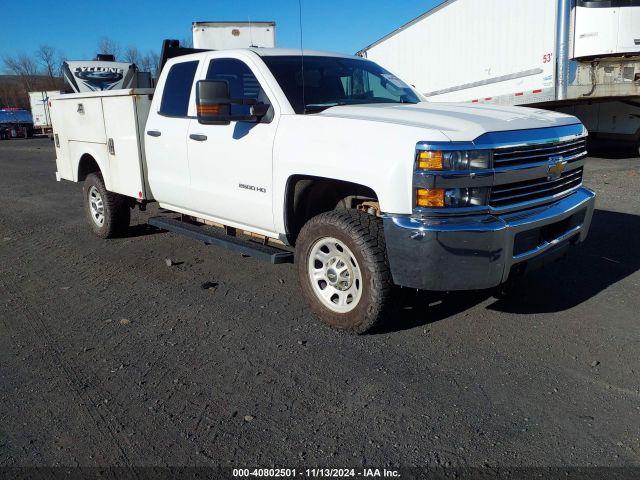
pixel 110 357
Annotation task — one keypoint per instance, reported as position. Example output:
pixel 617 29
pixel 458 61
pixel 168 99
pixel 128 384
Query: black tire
pixel 363 235
pixel 116 211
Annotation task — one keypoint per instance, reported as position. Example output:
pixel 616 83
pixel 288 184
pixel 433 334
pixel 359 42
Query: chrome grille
pixel 513 156
pixel 538 189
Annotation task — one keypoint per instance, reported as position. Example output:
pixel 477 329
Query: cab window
pixel 177 89
pixel 242 82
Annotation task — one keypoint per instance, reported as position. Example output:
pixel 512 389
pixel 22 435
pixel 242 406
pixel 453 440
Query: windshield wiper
pixel 319 107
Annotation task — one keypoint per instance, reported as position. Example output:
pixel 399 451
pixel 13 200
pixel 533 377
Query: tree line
pixel 42 70
pixel 146 62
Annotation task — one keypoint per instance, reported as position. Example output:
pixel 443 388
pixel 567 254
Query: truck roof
pixel 274 52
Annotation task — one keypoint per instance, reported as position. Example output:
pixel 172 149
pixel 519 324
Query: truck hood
pixel 460 122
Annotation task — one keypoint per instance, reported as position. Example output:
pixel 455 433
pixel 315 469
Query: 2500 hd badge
pixel 253 188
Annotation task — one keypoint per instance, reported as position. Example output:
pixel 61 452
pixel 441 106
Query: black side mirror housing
pixel 213 104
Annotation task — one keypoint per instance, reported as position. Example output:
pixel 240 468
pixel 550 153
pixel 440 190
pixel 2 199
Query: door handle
pixel 154 133
pixel 197 137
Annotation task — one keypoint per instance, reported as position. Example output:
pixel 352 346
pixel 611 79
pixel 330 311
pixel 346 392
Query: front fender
pixel 377 155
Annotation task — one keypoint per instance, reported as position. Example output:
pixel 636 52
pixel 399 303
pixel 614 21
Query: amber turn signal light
pixel 430 197
pixel 430 160
pixel 208 109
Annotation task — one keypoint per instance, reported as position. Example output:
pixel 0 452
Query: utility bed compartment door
pixel 126 157
pixel 83 119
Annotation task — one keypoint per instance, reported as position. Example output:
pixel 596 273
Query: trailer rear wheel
pixel 108 213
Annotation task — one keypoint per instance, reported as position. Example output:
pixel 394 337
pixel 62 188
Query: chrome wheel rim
pixel 96 206
pixel 335 275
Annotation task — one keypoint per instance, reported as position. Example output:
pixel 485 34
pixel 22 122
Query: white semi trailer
pixel 39 101
pixel 576 56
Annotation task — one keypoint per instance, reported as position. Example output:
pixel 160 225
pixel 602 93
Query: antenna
pixel 250 31
pixel 304 102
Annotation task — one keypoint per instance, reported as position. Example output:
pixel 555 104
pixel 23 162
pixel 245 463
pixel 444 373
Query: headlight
pixel 453 160
pixel 451 197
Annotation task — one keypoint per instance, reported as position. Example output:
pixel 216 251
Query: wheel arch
pixel 307 196
pixel 86 165
pixel 91 160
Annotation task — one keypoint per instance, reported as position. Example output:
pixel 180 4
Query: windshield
pixel 331 81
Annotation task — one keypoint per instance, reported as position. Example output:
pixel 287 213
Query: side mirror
pixel 213 104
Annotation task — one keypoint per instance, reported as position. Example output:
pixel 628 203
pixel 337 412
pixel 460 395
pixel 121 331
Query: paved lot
pixel 109 357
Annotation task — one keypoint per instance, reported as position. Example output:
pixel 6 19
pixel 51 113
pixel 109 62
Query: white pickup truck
pixel 345 167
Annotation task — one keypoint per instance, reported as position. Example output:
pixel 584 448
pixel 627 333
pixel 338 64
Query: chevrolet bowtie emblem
pixel 556 167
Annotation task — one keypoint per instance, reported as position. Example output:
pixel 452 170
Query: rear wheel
pixel 108 213
pixel 343 269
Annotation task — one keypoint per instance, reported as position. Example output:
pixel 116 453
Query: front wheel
pixel 108 213
pixel 343 269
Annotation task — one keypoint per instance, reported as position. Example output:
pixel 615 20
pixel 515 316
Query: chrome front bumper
pixel 478 252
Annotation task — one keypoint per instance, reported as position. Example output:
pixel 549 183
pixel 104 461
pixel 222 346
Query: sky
pixel 76 27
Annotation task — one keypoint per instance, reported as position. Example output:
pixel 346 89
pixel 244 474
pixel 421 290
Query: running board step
pixel 266 253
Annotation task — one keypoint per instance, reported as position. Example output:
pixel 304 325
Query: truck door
pixel 231 165
pixel 166 137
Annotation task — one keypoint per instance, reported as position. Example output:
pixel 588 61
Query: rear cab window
pixel 177 89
